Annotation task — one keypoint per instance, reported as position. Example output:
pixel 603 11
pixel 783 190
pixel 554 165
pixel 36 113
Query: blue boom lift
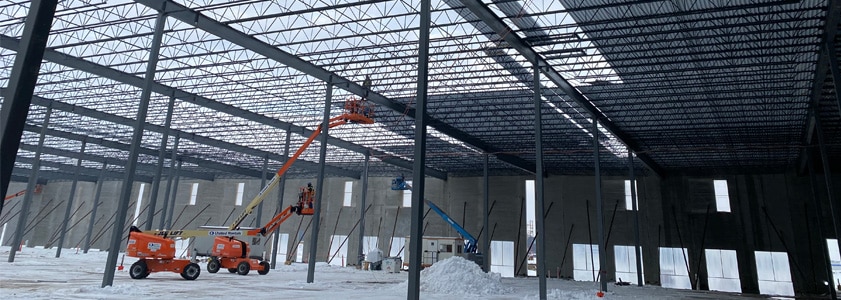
pixel 469 240
pixel 470 243
pixel 399 184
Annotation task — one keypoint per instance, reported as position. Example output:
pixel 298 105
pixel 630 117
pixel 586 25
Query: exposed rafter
pixel 116 75
pixel 110 161
pixel 202 163
pixel 190 136
pixel 44 176
pixel 189 16
pixel 523 48
pixel 701 87
pixel 82 170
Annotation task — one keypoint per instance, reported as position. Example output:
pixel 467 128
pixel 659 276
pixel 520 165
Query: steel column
pixel 418 170
pixel 95 206
pixel 362 209
pixel 30 188
pixel 171 208
pixel 827 262
pixel 131 166
pixel 486 240
pixel 539 206
pixel 599 209
pixel 280 190
pixel 21 86
pixel 322 156
pixel 64 222
pixel 827 174
pixel 169 183
pixel 830 28
pixel 156 183
pixel 636 216
pixel 259 215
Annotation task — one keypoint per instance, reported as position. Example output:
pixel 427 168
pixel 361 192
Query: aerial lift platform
pixel 470 249
pixel 153 247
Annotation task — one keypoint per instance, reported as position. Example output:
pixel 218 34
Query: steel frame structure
pixel 690 87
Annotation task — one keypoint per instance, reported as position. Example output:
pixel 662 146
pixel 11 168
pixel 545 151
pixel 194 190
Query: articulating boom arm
pixel 12 196
pixel 356 115
pixel 356 112
pixel 470 246
pixel 274 223
pixel 23 192
pixel 303 207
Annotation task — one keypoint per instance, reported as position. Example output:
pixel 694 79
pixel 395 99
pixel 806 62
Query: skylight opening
pixel 520 15
pixel 609 141
pixel 435 133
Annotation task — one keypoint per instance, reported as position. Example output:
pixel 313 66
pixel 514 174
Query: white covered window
pixel 282 245
pixel 722 196
pixel 348 193
pixel 774 273
pixel 628 199
pixel 299 252
pixel 626 263
pixel 502 258
pixel 240 191
pixel 407 195
pixel 139 204
pixel 338 251
pixel 674 272
pixel 194 193
pixel 723 270
pixel 834 260
pixel 398 246
pixel 584 266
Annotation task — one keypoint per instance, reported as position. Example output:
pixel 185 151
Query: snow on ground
pixel 458 276
pixel 37 274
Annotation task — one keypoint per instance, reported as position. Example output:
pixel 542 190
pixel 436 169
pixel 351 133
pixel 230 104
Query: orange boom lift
pixel 233 254
pixel 156 249
pixel 157 254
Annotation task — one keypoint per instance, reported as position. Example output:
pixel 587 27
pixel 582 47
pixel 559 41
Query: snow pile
pixel 458 276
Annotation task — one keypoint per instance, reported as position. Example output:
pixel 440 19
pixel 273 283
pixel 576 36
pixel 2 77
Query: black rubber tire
pixel 191 271
pixel 232 270
pixel 243 267
pixel 138 270
pixel 213 265
pixel 266 266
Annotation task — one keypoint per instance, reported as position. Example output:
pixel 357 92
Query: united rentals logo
pixel 154 246
pixel 225 232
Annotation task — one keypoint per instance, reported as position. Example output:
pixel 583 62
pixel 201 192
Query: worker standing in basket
pixel 366 110
pixel 310 193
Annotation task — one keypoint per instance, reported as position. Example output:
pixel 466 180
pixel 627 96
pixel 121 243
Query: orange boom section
pixel 356 112
pixel 149 246
pixel 225 246
pixel 157 254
